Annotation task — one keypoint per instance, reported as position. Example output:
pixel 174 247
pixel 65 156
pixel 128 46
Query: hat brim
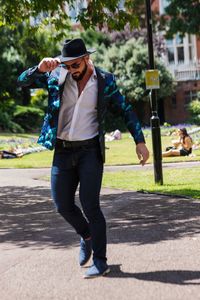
pixel 64 59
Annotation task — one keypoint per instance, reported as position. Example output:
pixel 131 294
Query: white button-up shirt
pixel 78 113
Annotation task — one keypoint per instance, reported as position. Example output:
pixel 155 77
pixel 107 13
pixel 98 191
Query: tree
pixel 121 37
pixel 95 13
pixel 129 63
pixel 96 38
pixel 184 17
pixel 20 47
pixel 194 109
pixel 10 63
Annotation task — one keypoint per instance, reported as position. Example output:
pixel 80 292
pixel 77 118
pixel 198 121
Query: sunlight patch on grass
pixel 120 152
pixel 176 181
pixel 35 160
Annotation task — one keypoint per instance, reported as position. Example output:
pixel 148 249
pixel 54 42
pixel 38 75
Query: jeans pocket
pixel 62 159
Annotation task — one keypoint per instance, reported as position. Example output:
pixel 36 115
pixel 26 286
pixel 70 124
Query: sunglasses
pixel 72 66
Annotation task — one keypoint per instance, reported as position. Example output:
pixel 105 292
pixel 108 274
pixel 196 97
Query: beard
pixel 81 75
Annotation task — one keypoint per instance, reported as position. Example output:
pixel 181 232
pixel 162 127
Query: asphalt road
pixel 153 245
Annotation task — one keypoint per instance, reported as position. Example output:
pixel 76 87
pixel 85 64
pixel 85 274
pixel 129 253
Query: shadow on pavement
pixel 181 277
pixel 149 218
pixel 28 218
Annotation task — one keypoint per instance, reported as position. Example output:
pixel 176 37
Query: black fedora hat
pixel 73 49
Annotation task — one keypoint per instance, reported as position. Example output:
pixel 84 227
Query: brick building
pixel 182 58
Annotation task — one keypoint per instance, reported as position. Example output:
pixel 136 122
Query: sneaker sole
pixel 95 276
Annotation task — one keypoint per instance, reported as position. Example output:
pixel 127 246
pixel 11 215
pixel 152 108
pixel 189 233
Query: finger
pixel 142 162
pixel 48 65
pixel 55 63
pixel 146 156
pixel 140 159
pixel 51 65
pixel 58 60
pixel 139 156
pixel 144 159
pixel 43 66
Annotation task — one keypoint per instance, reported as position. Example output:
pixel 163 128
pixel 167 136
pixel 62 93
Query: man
pixel 79 96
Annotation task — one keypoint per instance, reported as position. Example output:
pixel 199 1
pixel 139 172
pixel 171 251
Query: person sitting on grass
pixel 181 147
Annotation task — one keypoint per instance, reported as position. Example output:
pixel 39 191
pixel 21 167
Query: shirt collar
pixel 94 75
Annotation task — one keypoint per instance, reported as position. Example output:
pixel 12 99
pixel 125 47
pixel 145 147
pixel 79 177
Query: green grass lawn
pixel 176 181
pixel 34 160
pixel 120 152
pixel 123 151
pixel 185 181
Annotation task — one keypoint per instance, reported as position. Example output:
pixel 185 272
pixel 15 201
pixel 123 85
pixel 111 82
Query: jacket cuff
pixel 140 140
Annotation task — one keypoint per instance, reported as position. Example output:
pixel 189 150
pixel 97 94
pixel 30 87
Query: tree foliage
pixel 96 13
pixel 184 14
pixel 194 109
pixel 27 117
pixel 129 63
pixel 184 17
pixel 122 36
pixel 20 47
pixel 10 64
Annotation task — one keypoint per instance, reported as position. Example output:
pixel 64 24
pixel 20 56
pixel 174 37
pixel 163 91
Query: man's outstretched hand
pixel 142 153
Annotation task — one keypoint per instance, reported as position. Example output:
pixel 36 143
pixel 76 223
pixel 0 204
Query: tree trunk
pixel 26 96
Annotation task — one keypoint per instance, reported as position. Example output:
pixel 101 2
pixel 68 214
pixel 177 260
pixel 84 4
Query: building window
pixel 170 51
pixel 181 50
pixel 191 47
pixel 189 96
pixel 174 101
pixel 179 44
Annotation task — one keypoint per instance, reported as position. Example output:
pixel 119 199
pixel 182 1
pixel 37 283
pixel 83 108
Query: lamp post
pixel 155 121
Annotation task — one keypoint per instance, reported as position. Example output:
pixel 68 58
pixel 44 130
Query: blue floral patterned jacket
pixel 109 98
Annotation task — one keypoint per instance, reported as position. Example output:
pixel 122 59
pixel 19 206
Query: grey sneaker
pixel 99 268
pixel 85 251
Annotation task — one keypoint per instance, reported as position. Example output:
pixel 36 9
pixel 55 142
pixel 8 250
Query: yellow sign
pixel 152 79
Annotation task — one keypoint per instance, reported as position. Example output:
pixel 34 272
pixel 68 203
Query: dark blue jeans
pixel 82 165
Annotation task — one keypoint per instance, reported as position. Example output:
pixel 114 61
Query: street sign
pixel 152 79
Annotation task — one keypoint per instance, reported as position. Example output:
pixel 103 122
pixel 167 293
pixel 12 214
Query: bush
pixel 194 109
pixel 7 109
pixel 128 62
pixel 40 99
pixel 29 118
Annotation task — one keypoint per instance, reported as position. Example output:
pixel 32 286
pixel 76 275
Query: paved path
pixel 190 164
pixel 153 245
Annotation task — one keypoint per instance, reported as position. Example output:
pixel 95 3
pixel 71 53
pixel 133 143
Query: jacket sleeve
pixel 117 104
pixel 32 78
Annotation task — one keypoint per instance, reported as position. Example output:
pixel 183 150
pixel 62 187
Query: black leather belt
pixel 76 144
